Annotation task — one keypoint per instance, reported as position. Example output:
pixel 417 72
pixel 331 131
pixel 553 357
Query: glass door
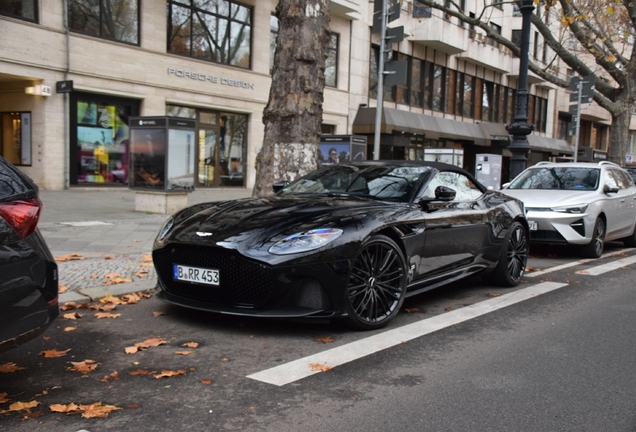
pixel 208 156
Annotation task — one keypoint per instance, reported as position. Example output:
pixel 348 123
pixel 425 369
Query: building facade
pixel 72 73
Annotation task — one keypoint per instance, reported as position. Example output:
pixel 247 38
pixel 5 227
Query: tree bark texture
pixel 293 114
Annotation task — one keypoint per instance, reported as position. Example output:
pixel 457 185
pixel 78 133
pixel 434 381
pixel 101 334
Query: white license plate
pixel 196 275
pixel 533 225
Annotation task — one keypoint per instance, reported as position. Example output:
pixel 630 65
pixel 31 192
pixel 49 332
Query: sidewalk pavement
pixel 101 227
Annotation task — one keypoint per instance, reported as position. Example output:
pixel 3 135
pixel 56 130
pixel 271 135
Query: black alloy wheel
pixel 377 284
pixel 514 257
pixel 594 249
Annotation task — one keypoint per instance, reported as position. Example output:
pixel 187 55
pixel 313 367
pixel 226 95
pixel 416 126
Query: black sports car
pixel 28 273
pixel 347 240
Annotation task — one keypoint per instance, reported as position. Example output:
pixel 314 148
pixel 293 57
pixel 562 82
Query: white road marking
pixel 299 369
pixel 85 223
pixel 574 263
pixel 604 268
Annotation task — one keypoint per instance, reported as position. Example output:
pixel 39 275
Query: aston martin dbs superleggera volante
pixel 345 241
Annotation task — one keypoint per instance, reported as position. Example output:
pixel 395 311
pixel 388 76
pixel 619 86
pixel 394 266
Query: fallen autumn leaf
pixel 84 367
pixel 53 353
pixel 9 367
pixel 101 315
pixel 320 367
pixel 168 373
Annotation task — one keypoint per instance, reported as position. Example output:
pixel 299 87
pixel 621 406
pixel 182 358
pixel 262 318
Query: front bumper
pixel 560 228
pixel 251 288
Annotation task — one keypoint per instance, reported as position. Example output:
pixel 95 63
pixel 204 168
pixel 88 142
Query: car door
pixel 455 231
pixel 625 196
pixel 613 204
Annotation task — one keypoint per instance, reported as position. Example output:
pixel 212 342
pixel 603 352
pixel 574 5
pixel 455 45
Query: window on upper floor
pixel 331 62
pixel 497 29
pixel 215 30
pixel 516 38
pixel 107 19
pixel 439 86
pixel 447 5
pixel 273 36
pixel 23 9
pixel 487 101
pixel 420 10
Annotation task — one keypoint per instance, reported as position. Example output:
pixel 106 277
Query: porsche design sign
pixel 182 73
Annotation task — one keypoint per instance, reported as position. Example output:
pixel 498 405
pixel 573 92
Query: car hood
pixel 249 225
pixel 545 198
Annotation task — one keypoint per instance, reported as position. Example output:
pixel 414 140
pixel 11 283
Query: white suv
pixel 582 204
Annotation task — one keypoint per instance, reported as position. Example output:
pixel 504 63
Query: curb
pixel 85 295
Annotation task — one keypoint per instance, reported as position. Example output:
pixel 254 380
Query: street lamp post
pixel 519 128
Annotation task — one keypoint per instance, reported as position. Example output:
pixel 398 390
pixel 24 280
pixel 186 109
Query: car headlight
pixel 575 209
pixel 167 226
pixel 305 241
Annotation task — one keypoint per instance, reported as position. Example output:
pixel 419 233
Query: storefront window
pixel 15 145
pixel 101 137
pixel 233 149
pixel 22 9
pixel 114 20
pixel 181 111
pixel 217 30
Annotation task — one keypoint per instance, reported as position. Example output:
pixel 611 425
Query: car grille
pixel 243 283
pixel 547 237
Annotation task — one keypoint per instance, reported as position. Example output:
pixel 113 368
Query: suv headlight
pixel 305 241
pixel 574 209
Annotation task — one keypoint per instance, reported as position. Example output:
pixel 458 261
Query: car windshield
pixel 561 178
pixel 371 181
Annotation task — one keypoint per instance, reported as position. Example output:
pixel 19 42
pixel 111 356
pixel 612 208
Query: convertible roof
pixel 440 166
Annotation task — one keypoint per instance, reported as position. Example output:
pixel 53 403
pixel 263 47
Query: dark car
pixel 28 273
pixel 348 240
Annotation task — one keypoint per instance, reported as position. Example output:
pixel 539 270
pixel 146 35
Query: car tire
pixel 594 249
pixel 513 258
pixel 377 284
pixel 630 241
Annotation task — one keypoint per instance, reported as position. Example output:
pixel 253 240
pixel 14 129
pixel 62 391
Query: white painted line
pixel 299 369
pixel 575 263
pixel 604 268
pixel 86 223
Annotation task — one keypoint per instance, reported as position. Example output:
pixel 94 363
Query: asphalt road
pixel 562 360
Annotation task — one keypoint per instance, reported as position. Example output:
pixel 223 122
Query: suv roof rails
pixel 608 163
pixel 544 163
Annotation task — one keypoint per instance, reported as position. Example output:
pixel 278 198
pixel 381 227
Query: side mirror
pixel 609 189
pixel 505 185
pixel 280 185
pixel 443 193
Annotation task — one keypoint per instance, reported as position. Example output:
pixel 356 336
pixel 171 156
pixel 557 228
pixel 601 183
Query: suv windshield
pixel 371 181
pixel 563 178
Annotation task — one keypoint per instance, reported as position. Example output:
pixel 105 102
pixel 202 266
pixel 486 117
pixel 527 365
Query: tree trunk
pixel 619 135
pixel 293 114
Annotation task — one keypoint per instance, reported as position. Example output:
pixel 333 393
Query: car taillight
pixel 21 215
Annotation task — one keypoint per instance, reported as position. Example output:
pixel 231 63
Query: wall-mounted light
pixel 38 90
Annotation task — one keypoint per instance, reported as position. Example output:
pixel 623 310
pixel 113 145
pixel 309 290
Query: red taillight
pixel 21 215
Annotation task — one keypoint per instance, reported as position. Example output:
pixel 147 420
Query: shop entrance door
pixel 209 167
